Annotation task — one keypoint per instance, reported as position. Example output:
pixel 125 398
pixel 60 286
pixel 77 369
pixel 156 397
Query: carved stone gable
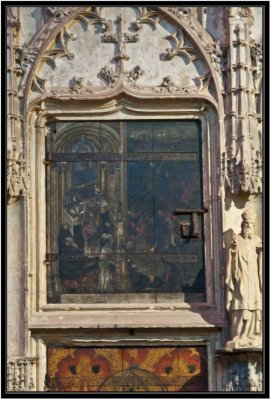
pixel 124 42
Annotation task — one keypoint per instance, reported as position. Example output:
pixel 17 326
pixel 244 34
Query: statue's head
pixel 248 223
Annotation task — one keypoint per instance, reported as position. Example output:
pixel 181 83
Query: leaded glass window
pixel 113 235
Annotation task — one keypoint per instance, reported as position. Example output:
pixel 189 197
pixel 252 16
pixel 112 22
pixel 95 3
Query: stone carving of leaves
pixel 179 48
pixel 61 49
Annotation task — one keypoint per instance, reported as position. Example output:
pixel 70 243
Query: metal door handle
pixel 190 229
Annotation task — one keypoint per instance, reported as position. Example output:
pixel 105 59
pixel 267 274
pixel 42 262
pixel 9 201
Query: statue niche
pixel 244 286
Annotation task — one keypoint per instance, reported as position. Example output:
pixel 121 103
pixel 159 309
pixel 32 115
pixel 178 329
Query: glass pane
pixel 79 277
pixel 74 137
pixel 140 210
pixel 111 139
pixel 141 273
pixel 113 236
pixel 182 273
pixel 82 204
pixel 139 136
pixel 84 145
pixel 176 136
pixel 176 185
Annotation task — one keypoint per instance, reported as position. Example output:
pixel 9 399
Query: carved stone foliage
pixel 179 48
pixel 16 174
pixel 212 47
pixel 120 37
pixel 183 13
pixel 91 16
pixel 28 53
pixel 61 48
pixel 12 20
pixel 256 51
pixel 188 17
pixel 20 374
pixel 77 88
pixel 168 86
pixel 114 73
pixel 147 16
pixel 77 85
pixel 135 74
pixel 215 53
pixel 59 13
pixel 108 74
pixel 243 176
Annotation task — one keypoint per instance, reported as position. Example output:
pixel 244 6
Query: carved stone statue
pixel 244 285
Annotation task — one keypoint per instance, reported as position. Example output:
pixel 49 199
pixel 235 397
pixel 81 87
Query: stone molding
pixel 130 107
pixel 20 374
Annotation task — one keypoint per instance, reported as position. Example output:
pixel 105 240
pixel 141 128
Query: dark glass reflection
pixel 140 207
pixel 138 135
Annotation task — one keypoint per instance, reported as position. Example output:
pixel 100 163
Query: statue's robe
pixel 244 284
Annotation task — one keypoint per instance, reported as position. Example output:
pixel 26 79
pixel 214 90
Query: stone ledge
pixel 226 351
pixel 124 319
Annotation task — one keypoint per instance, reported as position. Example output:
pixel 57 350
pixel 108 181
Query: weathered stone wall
pixel 199 56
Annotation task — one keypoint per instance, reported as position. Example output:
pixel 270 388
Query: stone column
pixel 15 280
pixel 244 164
pixel 20 368
pixel 16 188
pixel 20 374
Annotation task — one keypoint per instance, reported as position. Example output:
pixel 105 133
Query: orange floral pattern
pixel 125 369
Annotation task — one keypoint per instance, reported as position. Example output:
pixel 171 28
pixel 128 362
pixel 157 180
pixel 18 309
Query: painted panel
pixel 112 190
pixel 127 369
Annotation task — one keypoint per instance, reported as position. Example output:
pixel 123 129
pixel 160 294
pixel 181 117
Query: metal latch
pixel 190 229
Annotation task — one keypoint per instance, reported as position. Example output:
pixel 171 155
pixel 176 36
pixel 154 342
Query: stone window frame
pixel 42 314
pixel 123 338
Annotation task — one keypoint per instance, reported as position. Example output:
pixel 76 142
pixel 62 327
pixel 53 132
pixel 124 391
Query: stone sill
pixel 125 319
pixel 122 306
pixel 225 351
